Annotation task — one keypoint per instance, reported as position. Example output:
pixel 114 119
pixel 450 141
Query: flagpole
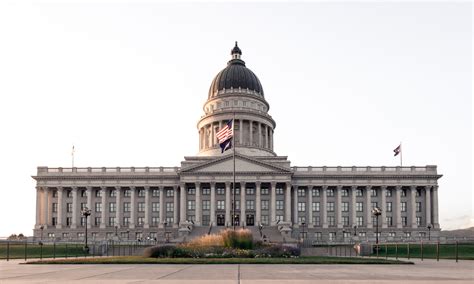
pixel 72 154
pixel 233 185
pixel 401 154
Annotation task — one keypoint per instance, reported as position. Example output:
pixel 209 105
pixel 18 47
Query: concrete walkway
pixel 428 271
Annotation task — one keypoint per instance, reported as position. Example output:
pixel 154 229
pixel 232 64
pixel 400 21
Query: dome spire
pixel 236 52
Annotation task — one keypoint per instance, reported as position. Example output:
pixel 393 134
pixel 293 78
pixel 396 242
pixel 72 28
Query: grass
pixel 446 251
pixel 144 260
pixel 17 250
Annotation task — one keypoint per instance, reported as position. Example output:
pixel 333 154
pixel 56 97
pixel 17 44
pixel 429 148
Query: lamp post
pixel 86 212
pixel 116 228
pixel 377 212
pixel 429 232
pixel 41 236
pixel 355 231
pixel 302 230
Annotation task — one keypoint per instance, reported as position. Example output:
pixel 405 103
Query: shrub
pixel 238 239
pixel 164 251
pixel 277 251
pixel 207 241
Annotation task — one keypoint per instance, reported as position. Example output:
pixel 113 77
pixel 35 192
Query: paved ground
pixel 428 271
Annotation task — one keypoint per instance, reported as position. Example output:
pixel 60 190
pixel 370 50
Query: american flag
pixel 397 150
pixel 224 136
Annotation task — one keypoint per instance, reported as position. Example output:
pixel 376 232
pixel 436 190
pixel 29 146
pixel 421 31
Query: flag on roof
pixel 397 150
pixel 224 136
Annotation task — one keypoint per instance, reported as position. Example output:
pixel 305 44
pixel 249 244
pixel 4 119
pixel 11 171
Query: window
pixel 141 206
pixel 112 207
pixel 389 221
pixel 407 234
pixel 359 206
pixel 265 205
pixel 360 221
pixel 83 193
pixel 391 234
pixel 65 235
pixel 330 192
pixel 206 205
pixel 345 221
pixel 418 221
pixel 362 234
pixel 127 193
pixel 155 207
pixel 191 218
pixel 237 205
pixel 98 207
pixel 279 218
pixel 83 221
pixel 345 206
pixel 315 192
pixel 373 192
pixel 359 193
pixel 155 192
pixel 140 221
pixel 374 204
pixel 169 220
pixel 97 221
pixel 112 221
pixel 318 236
pixel 170 192
pixel 279 191
pixel 344 192
pixel 279 205
pixel 317 221
pixel 191 191
pixel 237 191
pixel 155 221
pixel 80 235
pixel 332 236
pixel 169 207
pixel 301 220
pixel 249 191
pixel 53 221
pixel 404 221
pixel 221 205
pixel 301 192
pixel 331 221
pixel 418 207
pixel 301 207
pixel 264 219
pixel 418 193
pixel 346 235
pixel 316 206
pixel 249 204
pixel 126 221
pixel 403 207
pixel 55 207
pixel 191 205
pixel 141 193
pixel 55 193
pixel 69 207
pixel 206 191
pixel 206 220
pixel 374 220
pixel 68 221
pixel 330 206
pixel 404 193
pixel 389 207
pixel 69 193
pixel 83 206
pixel 113 193
pixel 98 193
pixel 388 193
pixel 126 207
pixel 264 191
pixel 220 191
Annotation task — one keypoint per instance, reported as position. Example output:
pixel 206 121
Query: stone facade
pixel 320 203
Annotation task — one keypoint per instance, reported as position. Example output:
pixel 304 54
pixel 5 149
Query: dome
pixel 235 75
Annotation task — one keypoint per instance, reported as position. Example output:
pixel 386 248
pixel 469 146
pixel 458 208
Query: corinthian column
pixel 338 207
pixel 310 207
pixel 59 225
pixel 288 202
pixel 198 210
pixel 89 205
pixel 383 206
pixel 213 204
pixel 228 221
pixel 242 204
pixel 398 211
pixel 118 206
pixel 133 214
pixel 103 194
pixel 74 208
pixel 162 206
pixel 45 206
pixel 324 202
pixel 435 207
pixel 368 210
pixel 413 206
pixel 147 207
pixel 182 205
pixel 428 204
pixel 38 207
pixel 258 203
pixel 273 204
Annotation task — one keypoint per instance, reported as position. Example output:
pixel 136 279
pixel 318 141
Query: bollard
pixel 421 250
pixel 26 249
pixel 408 250
pixel 456 251
pixel 437 251
pixel 8 251
pixel 396 251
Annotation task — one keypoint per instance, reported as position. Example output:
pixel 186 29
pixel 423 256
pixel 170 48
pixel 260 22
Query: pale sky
pixel 125 81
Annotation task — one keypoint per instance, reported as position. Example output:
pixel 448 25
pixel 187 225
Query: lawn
pixel 446 251
pixel 144 260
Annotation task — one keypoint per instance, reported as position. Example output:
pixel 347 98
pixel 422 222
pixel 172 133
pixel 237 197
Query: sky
pixel 125 82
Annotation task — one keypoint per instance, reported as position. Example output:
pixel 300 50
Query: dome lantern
pixel 236 52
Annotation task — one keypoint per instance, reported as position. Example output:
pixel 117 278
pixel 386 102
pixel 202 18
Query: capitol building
pixel 286 202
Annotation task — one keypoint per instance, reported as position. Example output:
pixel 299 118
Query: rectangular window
pixel 389 207
pixel 404 193
pixel 155 221
pixel 55 207
pixel 265 205
pixel 141 193
pixel 249 191
pixel 330 206
pixel 155 207
pixel 374 204
pixel 362 234
pixel 359 206
pixel 264 191
pixel 403 206
pixel 127 193
pixel 388 193
pixel 69 207
pixel 140 221
pixel 83 206
pixel 112 207
pixel 98 207
pixel 53 221
pixel 359 193
pixel 331 221
pixel 237 191
pixel 98 193
pixel 345 221
pixel 301 192
pixel 191 191
pixel 317 221
pixel 344 192
pixel 418 207
pixel 126 221
pixel 318 236
pixel 265 220
pixel 301 220
pixel 126 207
pixel 389 221
pixel 191 218
pixel 169 221
pixel 141 206
pixel 113 193
pixel 170 192
pixel 220 191
pixel 373 192
pixel 404 221
pixel 332 236
pixel 83 193
pixel 155 192
pixel 169 207
pixel 330 192
pixel 345 206
pixel 97 221
pixel 279 205
pixel 301 207
pixel 418 193
pixel 279 191
pixel 316 206
pixel 206 205
pixel 55 193
pixel 206 191
pixel 249 205
pixel 191 205
pixel 69 193
pixel 221 205
pixel 360 221
pixel 237 205
pixel 279 218
pixel 206 220
pixel 112 221
pixel 418 221
pixel 315 192
pixel 83 221
pixel 374 220
pixel 68 221
pixel 391 234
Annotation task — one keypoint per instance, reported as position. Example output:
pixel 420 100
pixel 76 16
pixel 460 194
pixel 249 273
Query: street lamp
pixel 429 232
pixel 86 212
pixel 41 236
pixel 355 230
pixel 302 230
pixel 377 212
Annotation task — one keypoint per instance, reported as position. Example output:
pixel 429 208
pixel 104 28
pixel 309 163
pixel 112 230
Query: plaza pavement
pixel 427 271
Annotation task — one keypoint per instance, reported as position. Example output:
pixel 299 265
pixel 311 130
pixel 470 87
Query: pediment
pixel 242 164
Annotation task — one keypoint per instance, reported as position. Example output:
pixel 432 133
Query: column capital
pixel 288 183
pixel 212 184
pixel 273 184
pixel 197 184
pixel 227 184
pixel 258 183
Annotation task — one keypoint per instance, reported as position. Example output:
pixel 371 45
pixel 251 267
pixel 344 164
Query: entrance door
pixel 250 220
pixel 220 220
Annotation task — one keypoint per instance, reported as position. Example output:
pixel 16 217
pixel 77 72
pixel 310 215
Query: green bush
pixel 241 239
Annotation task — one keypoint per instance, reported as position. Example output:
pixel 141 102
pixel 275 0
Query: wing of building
pixel 320 203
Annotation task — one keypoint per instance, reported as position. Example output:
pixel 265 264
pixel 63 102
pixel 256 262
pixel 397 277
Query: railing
pixel 357 170
pixel 108 170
